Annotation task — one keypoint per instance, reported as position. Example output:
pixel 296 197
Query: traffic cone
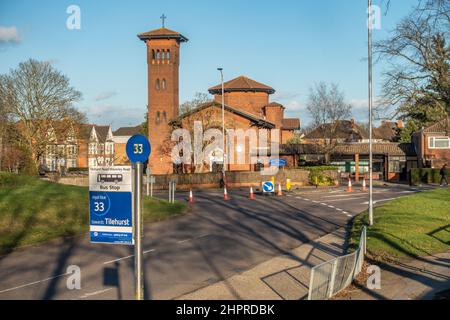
pixel 225 194
pixel 280 193
pixel 252 196
pixel 349 187
pixel 191 197
pixel 364 184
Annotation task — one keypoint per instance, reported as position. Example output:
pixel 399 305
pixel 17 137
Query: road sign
pixel 110 212
pixel 278 162
pixel 268 187
pixel 138 148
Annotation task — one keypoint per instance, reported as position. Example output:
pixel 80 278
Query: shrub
pixel 425 175
pixel 318 176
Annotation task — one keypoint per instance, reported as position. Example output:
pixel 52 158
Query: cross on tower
pixel 163 18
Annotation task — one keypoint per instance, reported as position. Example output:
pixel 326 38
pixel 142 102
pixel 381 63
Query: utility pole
pixel 223 125
pixel 369 26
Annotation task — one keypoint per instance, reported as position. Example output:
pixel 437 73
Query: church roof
pixel 241 83
pixel 256 120
pixel 162 33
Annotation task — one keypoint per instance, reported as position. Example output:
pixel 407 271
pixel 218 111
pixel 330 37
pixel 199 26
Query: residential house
pixel 96 146
pixel 120 138
pixel 433 144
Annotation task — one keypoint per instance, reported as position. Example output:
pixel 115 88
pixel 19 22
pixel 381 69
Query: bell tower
pixel 163 60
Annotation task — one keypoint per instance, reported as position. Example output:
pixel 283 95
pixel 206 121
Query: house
pixel 61 151
pixel 120 139
pixel 95 146
pixel 433 144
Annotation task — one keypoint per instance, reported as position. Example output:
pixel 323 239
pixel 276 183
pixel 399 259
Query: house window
pixel 439 143
pixel 164 84
pixel 158 84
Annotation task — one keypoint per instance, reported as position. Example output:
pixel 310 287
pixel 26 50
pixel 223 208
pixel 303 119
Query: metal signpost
pixel 138 150
pixel 110 213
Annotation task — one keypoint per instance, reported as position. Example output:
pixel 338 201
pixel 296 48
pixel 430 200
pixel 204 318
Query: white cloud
pixel 9 35
pixel 105 95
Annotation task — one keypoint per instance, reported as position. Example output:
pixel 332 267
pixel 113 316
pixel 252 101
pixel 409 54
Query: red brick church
pixel 247 105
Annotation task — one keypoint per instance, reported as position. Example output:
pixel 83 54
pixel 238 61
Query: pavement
pixel 214 242
pixel 409 279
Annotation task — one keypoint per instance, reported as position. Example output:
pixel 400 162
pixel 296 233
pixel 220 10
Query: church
pixel 247 106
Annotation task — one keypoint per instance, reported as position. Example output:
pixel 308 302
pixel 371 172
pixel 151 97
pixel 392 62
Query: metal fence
pixel 330 277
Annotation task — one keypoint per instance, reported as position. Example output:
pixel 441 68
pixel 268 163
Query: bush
pixel 425 175
pixel 318 176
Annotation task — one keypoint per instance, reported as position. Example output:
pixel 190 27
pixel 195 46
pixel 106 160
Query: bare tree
pixel 38 96
pixel 327 106
pixel 199 99
pixel 418 54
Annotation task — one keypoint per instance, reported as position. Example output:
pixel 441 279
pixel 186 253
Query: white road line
pixel 324 204
pixel 339 209
pixel 383 200
pixel 35 282
pixel 183 241
pixel 332 207
pixel 87 295
pixel 127 257
pixel 337 200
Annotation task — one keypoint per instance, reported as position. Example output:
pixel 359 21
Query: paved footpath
pixel 284 277
pixel 410 279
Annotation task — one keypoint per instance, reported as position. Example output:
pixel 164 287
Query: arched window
pixel 153 54
pixel 168 55
pixel 164 117
pixel 163 55
pixel 158 55
pixel 158 84
pixel 158 117
pixel 164 84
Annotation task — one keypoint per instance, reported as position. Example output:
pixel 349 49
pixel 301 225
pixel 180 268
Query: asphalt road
pixel 214 241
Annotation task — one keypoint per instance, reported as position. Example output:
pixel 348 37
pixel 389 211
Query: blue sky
pixel 287 44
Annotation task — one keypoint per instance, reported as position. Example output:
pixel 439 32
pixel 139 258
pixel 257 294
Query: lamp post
pixel 369 26
pixel 223 125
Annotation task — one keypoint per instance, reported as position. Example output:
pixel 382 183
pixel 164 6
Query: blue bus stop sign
pixel 138 148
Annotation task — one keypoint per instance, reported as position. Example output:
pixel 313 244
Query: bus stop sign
pixel 138 148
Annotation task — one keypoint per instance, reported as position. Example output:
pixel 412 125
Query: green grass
pixel 33 211
pixel 412 226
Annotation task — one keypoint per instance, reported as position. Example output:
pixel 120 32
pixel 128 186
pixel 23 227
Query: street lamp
pixel 369 25
pixel 223 125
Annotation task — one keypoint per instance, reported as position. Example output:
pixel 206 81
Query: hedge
pixel 425 175
pixel 317 176
pixel 78 169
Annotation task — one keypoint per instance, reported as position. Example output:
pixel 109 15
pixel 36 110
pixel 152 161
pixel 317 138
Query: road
pixel 214 241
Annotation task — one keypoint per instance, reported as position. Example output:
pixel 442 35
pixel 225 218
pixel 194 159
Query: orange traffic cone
pixel 225 194
pixel 252 196
pixel 280 193
pixel 191 197
pixel 364 184
pixel 349 187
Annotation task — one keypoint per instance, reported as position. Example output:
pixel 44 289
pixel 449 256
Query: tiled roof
pixel 386 131
pixel 102 132
pixel 291 124
pixel 388 148
pixel 256 120
pixel 128 131
pixel 162 33
pixel 441 126
pixel 241 84
pixel 344 130
pixel 85 131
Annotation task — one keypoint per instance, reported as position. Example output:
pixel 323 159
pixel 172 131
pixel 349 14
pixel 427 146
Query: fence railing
pixel 331 277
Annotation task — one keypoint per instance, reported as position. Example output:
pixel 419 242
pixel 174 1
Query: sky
pixel 287 44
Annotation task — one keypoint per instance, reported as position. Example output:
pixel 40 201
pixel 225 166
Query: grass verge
pixel 411 226
pixel 33 211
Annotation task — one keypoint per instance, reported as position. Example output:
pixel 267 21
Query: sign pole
pixel 138 251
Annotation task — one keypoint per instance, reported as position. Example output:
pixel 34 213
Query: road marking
pixel 332 207
pixel 383 200
pixel 202 236
pixel 127 257
pixel 324 204
pixel 35 282
pixel 87 295
pixel 336 200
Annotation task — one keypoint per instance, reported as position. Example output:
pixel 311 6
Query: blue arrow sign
pixel 268 186
pixel 138 148
pixel 278 162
